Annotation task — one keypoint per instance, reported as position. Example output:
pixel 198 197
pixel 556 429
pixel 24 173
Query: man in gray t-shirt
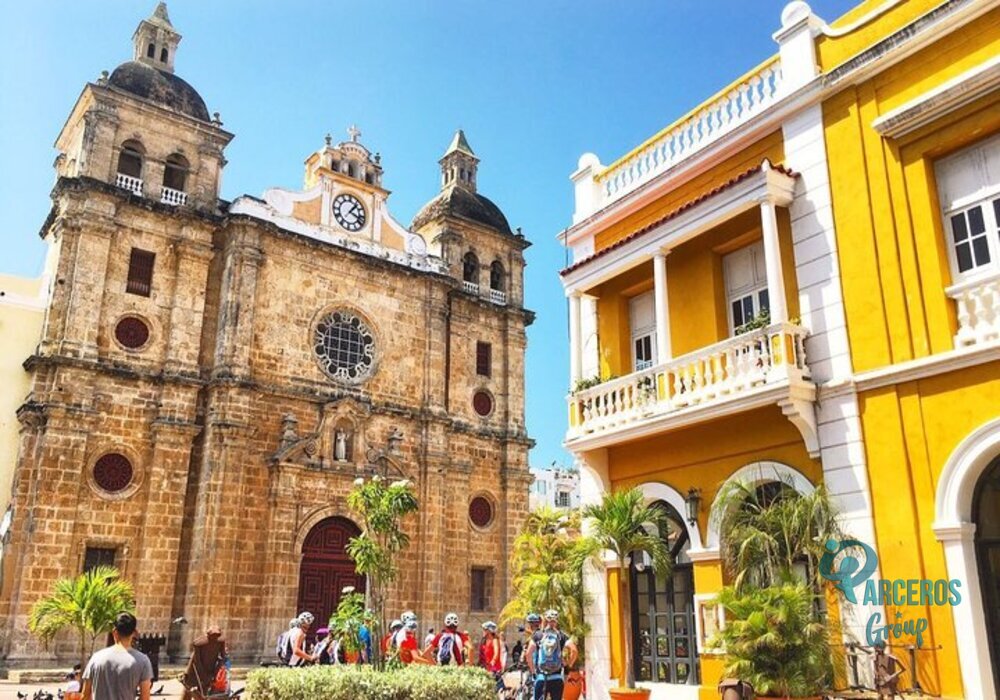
pixel 115 673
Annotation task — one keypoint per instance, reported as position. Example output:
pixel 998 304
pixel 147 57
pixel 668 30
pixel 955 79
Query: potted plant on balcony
pixel 624 525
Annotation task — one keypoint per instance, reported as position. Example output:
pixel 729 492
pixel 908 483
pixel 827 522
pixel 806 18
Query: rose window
pixel 113 472
pixel 345 346
pixel 481 511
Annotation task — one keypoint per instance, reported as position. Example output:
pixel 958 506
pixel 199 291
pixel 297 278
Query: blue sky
pixel 533 83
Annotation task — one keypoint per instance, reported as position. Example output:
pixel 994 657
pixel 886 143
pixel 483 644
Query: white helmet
pixel 451 620
pixel 411 624
pixel 551 615
pixel 395 624
pixel 293 623
pixel 306 618
pixel 490 626
pixel 408 615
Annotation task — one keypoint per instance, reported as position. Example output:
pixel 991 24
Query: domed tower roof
pixel 150 73
pixel 458 196
pixel 155 85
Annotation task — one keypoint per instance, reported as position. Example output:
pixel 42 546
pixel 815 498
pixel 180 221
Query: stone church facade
pixel 213 376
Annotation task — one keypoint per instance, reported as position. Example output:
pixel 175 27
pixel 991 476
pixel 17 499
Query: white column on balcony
pixel 575 341
pixel 660 298
pixel 772 261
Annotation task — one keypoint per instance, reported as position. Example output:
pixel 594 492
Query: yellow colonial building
pixel 799 281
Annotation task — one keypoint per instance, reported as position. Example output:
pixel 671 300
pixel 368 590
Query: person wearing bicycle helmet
pixel 389 640
pixel 549 652
pixel 449 644
pixel 297 638
pixel 406 618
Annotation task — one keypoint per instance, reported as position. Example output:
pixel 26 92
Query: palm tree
pixel 769 532
pixel 88 603
pixel 547 569
pixel 626 526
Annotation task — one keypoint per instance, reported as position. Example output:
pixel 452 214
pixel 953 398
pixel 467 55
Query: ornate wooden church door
pixel 326 568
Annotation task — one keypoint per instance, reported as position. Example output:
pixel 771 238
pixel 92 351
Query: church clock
pixel 349 212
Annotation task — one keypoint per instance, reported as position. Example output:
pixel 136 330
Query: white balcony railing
pixel 174 198
pixel 498 297
pixel 132 184
pixel 978 308
pixel 694 132
pixel 470 287
pixel 720 372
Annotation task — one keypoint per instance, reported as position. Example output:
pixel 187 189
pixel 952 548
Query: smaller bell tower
pixel 155 40
pixel 459 164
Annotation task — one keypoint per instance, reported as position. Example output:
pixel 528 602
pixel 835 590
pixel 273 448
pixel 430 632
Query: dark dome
pixel 460 202
pixel 158 86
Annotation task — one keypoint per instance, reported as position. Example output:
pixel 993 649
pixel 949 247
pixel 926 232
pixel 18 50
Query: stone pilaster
pixel 187 307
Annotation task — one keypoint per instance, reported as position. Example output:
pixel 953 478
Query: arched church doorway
pixel 986 516
pixel 663 631
pixel 326 568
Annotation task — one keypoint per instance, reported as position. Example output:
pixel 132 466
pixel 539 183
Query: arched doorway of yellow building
pixel 965 490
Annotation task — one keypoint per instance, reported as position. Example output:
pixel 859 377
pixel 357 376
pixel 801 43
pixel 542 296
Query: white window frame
pixel 642 331
pixel 752 255
pixel 982 197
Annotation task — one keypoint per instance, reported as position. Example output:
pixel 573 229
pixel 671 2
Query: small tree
pixel 381 506
pixel 88 604
pixel 547 569
pixel 347 619
pixel 626 526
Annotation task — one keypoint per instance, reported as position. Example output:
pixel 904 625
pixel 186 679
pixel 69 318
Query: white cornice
pixel 945 98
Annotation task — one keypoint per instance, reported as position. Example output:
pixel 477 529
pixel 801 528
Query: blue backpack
pixel 446 649
pixel 548 652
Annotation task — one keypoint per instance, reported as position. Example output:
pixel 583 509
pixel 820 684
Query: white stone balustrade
pixel 498 297
pixel 693 133
pixel 132 184
pixel 717 373
pixel 978 308
pixel 470 287
pixel 174 198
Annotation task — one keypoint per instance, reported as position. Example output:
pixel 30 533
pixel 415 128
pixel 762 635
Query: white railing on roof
pixel 173 197
pixel 132 184
pixel 689 135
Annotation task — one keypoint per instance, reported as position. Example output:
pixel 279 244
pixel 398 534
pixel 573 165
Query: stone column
pixel 594 483
pixel 663 353
pixel 575 341
pixel 187 307
pixel 772 262
pixel 87 274
pixel 236 306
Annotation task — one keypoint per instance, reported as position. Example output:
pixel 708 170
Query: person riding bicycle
pixel 450 645
pixel 549 652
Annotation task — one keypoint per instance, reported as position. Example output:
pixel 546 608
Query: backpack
pixel 447 651
pixel 548 656
pixel 283 649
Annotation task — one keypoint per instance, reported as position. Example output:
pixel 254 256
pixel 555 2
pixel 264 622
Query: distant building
pixel 556 486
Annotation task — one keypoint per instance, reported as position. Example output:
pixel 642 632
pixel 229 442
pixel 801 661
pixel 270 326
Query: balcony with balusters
pixel 127 182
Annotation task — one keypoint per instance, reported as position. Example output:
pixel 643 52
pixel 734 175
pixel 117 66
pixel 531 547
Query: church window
pixel 151 51
pixel 481 511
pixel 175 172
pixel 482 402
pixel 496 276
pixel 140 272
pixel 130 159
pixel 344 346
pixel 132 332
pixel 470 268
pixel 94 557
pixel 484 359
pixel 352 169
pixel 113 472
pixel 163 55
pixel 482 583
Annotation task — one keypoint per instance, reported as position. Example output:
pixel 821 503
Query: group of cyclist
pixel 544 653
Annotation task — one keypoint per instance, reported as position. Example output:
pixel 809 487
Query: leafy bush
pixel 365 683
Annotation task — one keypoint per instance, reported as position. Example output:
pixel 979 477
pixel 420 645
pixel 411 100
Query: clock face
pixel 349 212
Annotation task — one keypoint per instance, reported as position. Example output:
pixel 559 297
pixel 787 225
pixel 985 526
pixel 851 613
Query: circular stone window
pixel 482 402
pixel 481 511
pixel 113 472
pixel 345 346
pixel 132 332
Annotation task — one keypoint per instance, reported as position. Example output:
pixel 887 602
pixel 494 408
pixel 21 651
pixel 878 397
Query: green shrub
pixel 365 683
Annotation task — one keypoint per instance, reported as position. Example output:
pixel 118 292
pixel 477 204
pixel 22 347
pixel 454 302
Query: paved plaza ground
pixel 170 688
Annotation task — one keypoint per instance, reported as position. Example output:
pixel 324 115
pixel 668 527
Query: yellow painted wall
pixel 893 261
pixel 770 147
pixel 20 329
pixel 910 431
pixel 696 292
pixel 703 456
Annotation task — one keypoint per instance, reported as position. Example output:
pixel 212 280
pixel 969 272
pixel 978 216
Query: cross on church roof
pixel 354 132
